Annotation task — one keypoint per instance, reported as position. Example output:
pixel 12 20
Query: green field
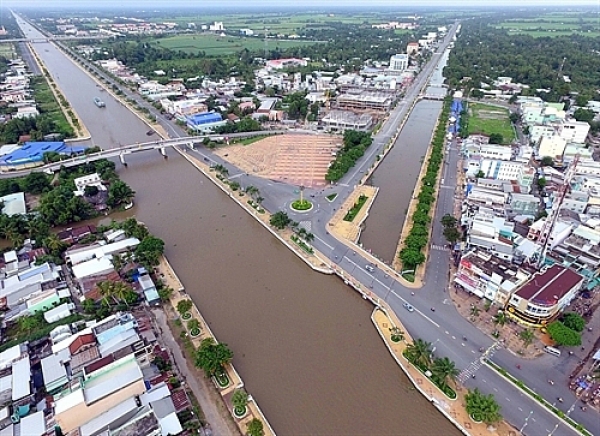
pixel 554 25
pixel 214 45
pixel 7 50
pixel 488 119
pixel 279 23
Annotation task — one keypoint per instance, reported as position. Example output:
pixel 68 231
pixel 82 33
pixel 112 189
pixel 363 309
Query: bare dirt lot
pixel 294 159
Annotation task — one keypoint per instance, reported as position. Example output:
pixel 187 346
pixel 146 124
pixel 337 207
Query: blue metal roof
pixel 33 152
pixel 204 118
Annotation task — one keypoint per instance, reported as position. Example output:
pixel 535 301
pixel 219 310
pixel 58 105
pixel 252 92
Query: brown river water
pixel 303 341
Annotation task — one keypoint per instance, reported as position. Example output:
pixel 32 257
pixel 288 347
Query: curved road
pixel 444 327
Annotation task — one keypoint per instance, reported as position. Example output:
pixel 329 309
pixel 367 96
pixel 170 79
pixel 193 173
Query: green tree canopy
pixel 255 428
pixel 573 321
pixel 184 306
pixel 563 335
pixel 149 250
pixel 280 220
pixel 449 221
pixel 212 357
pixel 482 407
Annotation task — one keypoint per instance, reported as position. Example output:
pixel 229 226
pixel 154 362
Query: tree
pixel 165 293
pixel 496 138
pixel 500 319
pixel 280 220
pixel 475 310
pixel 309 237
pixel 397 334
pixel 563 335
pixel 255 428
pixel 36 183
pixel 480 174
pixel 212 357
pixel 419 353
pixel 547 161
pixel 90 191
pixel 574 321
pixel 54 244
pixel 542 183
pixel 514 117
pixel 452 234
pixel 585 115
pixel 149 250
pixel 482 407
pixel 411 258
pixel 119 193
pixel 239 399
pixel 184 306
pixel 449 220
pixel 527 337
pixel 193 324
pixel 444 370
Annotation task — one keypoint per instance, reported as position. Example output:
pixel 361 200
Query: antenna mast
pixel 556 205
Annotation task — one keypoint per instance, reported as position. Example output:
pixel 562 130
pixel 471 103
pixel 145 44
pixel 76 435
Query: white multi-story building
pixel 553 146
pixel 494 151
pixel 539 131
pixel 399 62
pixel 574 131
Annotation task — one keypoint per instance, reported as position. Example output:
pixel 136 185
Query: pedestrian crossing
pixel 307 225
pixel 476 364
pixel 439 247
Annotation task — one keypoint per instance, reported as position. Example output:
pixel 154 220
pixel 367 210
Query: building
pixel 544 296
pixel 399 62
pixel 31 154
pixel 339 121
pixel 14 204
pixel 278 64
pixel 553 146
pixel 184 107
pixel 100 391
pixel 205 122
pixel 495 151
pixel 574 131
pixel 73 256
pixel 483 274
pixel 364 100
pixel 89 180
pixel 412 48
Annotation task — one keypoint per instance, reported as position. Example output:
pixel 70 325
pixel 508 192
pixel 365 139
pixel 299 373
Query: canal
pixel 397 174
pixel 303 341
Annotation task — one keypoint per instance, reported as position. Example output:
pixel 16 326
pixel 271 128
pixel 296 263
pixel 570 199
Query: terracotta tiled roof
pixel 81 341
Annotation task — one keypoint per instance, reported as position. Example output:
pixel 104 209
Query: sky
pixel 321 4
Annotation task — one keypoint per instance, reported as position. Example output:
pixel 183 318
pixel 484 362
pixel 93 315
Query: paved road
pixel 444 327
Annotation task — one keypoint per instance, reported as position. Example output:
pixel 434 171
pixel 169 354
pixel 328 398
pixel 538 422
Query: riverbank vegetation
pixel 411 254
pixel 351 214
pixel 441 371
pixel 212 358
pixel 354 145
pixel 482 408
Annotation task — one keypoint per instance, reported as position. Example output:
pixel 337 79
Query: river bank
pixel 234 380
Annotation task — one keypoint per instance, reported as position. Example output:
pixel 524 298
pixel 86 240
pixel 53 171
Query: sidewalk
pixel 452 409
pixel 167 273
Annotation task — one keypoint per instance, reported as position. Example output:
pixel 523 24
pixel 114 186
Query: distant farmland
pixel 214 45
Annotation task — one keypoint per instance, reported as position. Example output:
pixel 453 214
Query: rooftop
pixel 33 152
pixel 550 286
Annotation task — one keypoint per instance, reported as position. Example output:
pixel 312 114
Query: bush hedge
pixel 411 254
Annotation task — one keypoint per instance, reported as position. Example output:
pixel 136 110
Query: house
pixel 90 180
pixel 100 391
pixel 544 296
pixel 205 122
pixel 412 48
pixel 54 371
pixel 14 204
pixel 483 274
pixel 399 62
pixel 74 256
pixel 59 312
pixel 149 289
pixel 553 146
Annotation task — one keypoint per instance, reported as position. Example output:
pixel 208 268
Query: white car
pixel 369 268
pixel 408 307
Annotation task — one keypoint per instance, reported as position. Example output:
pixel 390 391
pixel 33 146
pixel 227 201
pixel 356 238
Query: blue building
pixel 205 122
pixel 32 154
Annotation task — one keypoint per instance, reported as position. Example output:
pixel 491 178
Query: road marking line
pixel 520 409
pixel 325 243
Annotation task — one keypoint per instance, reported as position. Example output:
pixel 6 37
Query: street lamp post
pixel 553 430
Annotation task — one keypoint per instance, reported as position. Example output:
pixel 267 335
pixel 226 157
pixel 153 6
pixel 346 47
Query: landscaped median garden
pixel 362 199
pixel 411 254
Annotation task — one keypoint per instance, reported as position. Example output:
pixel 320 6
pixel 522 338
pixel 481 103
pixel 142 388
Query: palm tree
pixel 53 243
pixel 309 237
pixel 107 291
pixel 501 318
pixel 475 310
pixel 419 353
pixel 397 334
pixel 482 407
pixel 239 399
pixel 444 370
pixel 527 336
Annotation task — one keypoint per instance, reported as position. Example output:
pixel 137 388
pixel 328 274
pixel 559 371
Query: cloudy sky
pixel 399 4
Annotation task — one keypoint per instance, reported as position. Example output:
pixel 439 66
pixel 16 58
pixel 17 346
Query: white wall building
pixel 494 151
pixel 553 146
pixel 574 131
pixel 399 62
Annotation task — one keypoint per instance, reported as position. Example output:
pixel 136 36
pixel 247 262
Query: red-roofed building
pixel 82 342
pixel 544 296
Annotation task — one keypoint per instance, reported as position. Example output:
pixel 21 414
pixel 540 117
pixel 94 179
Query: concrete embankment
pixel 234 381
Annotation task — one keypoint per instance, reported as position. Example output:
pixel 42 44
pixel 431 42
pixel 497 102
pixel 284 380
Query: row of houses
pixel 15 92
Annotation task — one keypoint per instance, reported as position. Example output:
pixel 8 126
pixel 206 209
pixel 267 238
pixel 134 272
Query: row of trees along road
pixel 354 145
pixel 411 254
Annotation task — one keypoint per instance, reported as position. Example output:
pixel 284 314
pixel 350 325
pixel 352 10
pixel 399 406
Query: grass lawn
pixel 488 119
pixel 214 45
pixel 7 50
